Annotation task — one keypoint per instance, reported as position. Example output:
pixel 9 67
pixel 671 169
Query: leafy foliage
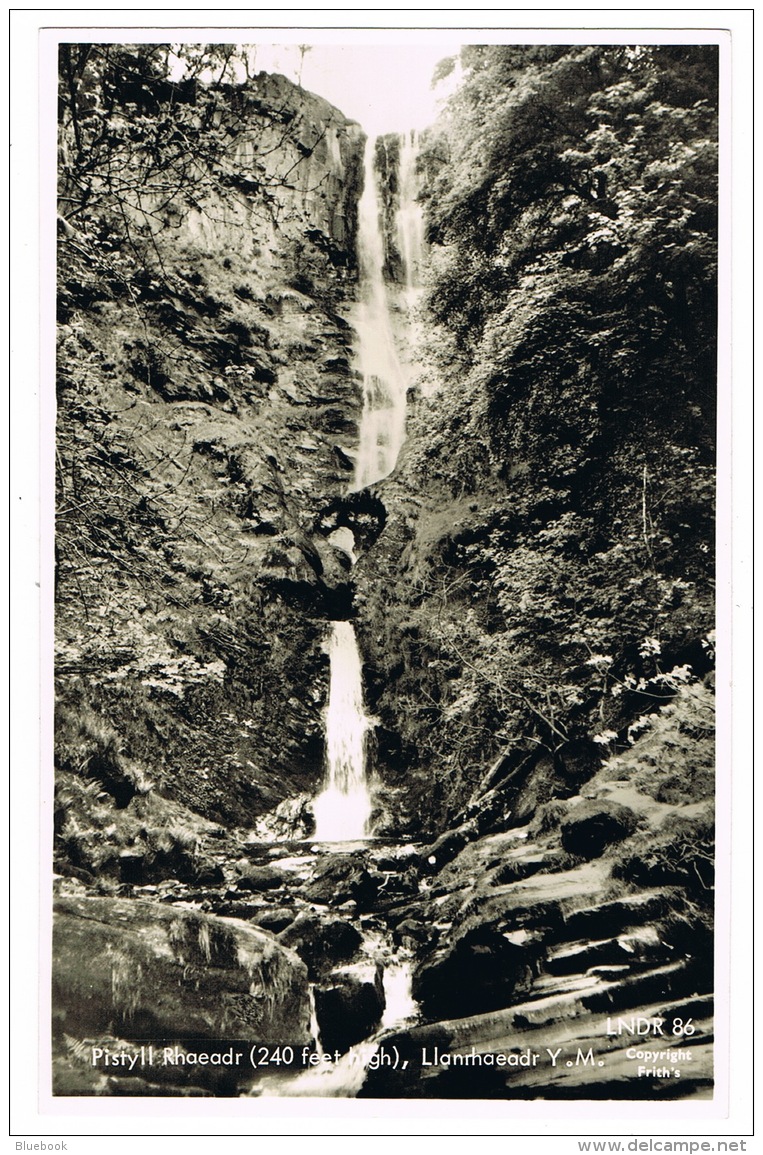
pixel 572 213
pixel 579 226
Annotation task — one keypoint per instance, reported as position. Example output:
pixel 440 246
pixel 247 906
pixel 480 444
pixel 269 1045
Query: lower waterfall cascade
pixel 343 808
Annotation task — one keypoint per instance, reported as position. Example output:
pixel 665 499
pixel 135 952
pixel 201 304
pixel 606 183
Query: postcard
pixel 387 447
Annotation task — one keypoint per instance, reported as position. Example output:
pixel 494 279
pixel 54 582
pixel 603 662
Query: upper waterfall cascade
pixel 410 215
pixel 385 380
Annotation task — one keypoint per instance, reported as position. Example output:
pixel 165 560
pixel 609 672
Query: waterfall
pixel 410 215
pixel 382 423
pixel 343 808
pixel 410 242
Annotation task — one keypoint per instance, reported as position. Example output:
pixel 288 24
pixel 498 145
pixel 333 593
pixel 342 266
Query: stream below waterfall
pixel 335 1075
pixel 378 963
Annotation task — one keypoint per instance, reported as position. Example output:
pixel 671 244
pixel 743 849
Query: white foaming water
pixel 343 808
pixel 382 424
pixel 344 1077
pixel 399 1004
pixel 314 1028
pixel 326 1080
pixel 410 215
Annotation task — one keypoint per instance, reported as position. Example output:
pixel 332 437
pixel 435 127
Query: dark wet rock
pixel 145 969
pixel 538 903
pixel 349 1004
pixel 209 874
pixel 275 920
pixel 481 971
pixel 518 868
pixel 593 826
pixel 421 911
pixel 141 865
pixel 321 942
pixel 234 909
pixel 675 980
pixel 614 916
pixel 644 947
pixel 340 878
pixel 412 933
pixel 292 819
pixel 261 878
pixel 362 512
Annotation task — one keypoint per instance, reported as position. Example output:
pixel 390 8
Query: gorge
pixel 384 670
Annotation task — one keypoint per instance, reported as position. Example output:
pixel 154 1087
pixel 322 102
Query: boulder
pixel 234 909
pixel 612 917
pixel 260 878
pixel 292 819
pixel 321 942
pixel 342 878
pixel 275 919
pixel 348 1005
pixel 394 861
pixel 141 865
pixel 411 933
pixel 480 972
pixel 145 970
pixel 208 874
pixel 593 826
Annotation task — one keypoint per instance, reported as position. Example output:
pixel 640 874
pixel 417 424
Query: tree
pixel 571 210
pixel 148 131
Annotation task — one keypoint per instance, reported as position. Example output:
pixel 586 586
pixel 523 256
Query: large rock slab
pixel 559 1048
pixel 261 878
pixel 481 971
pixel 144 970
pixel 594 825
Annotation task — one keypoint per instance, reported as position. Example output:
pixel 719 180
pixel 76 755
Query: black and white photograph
pixel 383 721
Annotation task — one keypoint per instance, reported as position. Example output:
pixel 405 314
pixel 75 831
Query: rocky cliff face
pixel 207 417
